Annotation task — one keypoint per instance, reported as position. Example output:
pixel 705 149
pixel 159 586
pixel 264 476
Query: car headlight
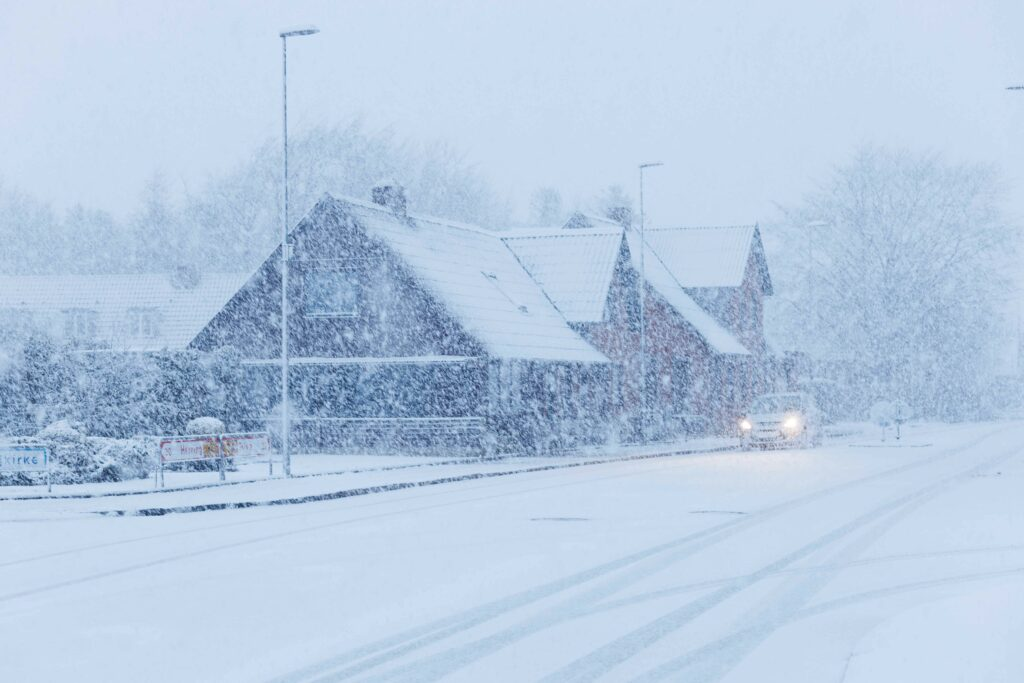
pixel 791 423
pixel 746 425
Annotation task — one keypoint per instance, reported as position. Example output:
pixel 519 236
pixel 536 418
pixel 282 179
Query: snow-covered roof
pixel 480 283
pixel 175 314
pixel 661 278
pixel 582 220
pixel 704 257
pixel 574 267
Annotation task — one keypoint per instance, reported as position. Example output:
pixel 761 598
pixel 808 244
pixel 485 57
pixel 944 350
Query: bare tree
pixel 546 206
pixel 243 208
pixel 615 203
pixel 897 270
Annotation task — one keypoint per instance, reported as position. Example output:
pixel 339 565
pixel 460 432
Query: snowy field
pixel 858 561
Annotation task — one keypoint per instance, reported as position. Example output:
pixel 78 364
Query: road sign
pixel 213 447
pixel 24 458
pixel 245 446
pixel 189 448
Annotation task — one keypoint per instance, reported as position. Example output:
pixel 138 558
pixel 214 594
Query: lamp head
pixel 299 31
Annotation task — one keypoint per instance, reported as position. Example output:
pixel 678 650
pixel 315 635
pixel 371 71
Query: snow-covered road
pixel 780 566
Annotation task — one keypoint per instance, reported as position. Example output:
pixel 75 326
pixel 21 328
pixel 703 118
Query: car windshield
pixel 776 404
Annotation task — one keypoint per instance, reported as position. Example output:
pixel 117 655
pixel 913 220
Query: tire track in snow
pixel 834 566
pixel 303 530
pixel 711 661
pixel 363 659
pixel 868 596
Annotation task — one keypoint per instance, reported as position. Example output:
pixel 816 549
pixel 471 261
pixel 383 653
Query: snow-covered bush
pixel 204 425
pixel 123 459
pixel 116 395
pixel 73 455
pixel 77 458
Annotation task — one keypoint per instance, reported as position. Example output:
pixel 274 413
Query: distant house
pixel 412 331
pixel 706 354
pixel 141 312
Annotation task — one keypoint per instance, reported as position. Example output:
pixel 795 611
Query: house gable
pixel 387 314
pixel 741 308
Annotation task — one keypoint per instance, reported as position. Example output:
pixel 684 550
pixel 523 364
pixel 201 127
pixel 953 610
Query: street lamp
pixel 809 226
pixel 286 458
pixel 643 312
pixel 809 281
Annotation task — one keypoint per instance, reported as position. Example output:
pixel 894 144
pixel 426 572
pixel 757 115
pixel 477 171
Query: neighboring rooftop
pixel 129 312
pixel 574 267
pixel 706 257
pixel 661 278
pixel 480 283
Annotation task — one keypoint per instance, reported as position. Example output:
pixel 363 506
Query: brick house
pixel 706 354
pixel 411 332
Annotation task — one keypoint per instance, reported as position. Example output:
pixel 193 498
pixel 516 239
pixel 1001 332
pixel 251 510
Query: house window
pixel 80 323
pixel 142 322
pixel 330 293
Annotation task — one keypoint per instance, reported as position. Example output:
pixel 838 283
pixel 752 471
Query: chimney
pixel 390 194
pixel 185 277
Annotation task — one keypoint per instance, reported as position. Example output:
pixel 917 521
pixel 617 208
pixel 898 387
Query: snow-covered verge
pixel 76 458
pixel 314 471
pixel 118 467
pixel 326 478
pixel 976 636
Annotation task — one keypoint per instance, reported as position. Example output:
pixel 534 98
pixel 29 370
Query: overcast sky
pixel 747 103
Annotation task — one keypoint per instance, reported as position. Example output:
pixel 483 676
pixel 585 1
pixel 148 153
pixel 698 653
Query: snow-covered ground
pixel 858 560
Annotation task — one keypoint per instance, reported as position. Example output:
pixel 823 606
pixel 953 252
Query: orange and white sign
pixel 245 446
pixel 187 448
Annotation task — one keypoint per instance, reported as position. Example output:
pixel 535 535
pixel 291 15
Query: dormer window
pixel 142 322
pixel 80 323
pixel 330 293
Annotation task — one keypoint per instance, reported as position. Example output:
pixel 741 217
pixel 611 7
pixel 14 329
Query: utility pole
pixel 644 398
pixel 286 458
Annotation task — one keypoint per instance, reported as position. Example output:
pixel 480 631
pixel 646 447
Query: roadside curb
pixel 219 484
pixel 396 486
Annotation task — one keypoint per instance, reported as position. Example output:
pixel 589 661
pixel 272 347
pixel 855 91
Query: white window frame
pixel 350 275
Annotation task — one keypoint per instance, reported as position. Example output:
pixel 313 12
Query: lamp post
pixel 643 311
pixel 809 281
pixel 286 457
pixel 809 258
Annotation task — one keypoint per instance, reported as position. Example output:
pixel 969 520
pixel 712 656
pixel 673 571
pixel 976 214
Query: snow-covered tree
pixel 615 203
pixel 232 221
pixel 896 270
pixel 239 214
pixel 546 206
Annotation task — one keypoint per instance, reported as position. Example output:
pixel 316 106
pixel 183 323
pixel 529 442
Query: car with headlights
pixel 789 419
